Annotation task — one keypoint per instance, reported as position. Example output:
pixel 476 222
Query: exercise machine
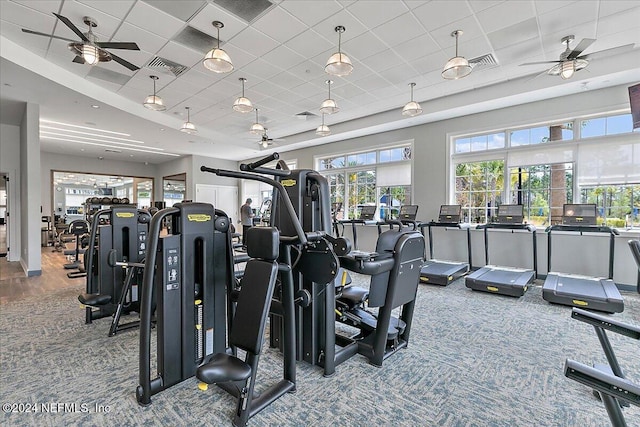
pixel 597 293
pixel 366 217
pixel 77 228
pixel 441 272
pixel 503 280
pixel 187 276
pixel 394 268
pixel 634 245
pixel 118 236
pixel 607 380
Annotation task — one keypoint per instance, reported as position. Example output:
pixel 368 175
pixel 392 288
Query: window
pixel 478 188
pixel 617 205
pixel 611 125
pixel 480 143
pixel 379 178
pixel 542 190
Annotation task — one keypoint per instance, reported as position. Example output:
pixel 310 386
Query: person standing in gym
pixel 246 218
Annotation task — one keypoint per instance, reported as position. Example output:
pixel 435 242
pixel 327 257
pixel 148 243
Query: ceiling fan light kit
pixel 217 60
pixel 457 67
pixel 339 64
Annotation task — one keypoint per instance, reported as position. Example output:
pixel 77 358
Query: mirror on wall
pixel 75 195
pixel 173 189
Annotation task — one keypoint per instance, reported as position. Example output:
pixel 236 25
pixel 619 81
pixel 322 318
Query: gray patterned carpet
pixel 474 359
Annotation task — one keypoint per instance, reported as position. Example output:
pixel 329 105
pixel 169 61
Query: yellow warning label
pixel 424 279
pixel 492 289
pixel 199 217
pixel 450 278
pixel 288 182
pixel 124 214
pixel 580 302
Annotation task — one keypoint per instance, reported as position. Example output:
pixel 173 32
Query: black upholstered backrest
pixel 257 286
pixel 635 250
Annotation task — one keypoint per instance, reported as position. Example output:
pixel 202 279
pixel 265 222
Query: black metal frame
pixel 612 387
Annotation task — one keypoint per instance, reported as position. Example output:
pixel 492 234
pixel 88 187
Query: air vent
pixel 166 65
pixel 484 61
pixel 305 115
pixel 195 39
pixel 108 150
pixel 245 9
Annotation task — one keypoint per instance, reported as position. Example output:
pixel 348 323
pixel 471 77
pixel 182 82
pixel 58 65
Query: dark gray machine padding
pixel 582 291
pixel 501 280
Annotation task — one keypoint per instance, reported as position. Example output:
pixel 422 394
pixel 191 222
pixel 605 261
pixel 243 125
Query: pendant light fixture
pixel 188 127
pixel 339 64
pixel 457 67
pixel 242 104
pixel 323 130
pixel 329 106
pixel 412 108
pixel 154 102
pixel 216 59
pixel 257 128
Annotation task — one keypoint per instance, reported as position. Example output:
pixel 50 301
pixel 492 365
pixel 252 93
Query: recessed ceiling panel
pixel 247 10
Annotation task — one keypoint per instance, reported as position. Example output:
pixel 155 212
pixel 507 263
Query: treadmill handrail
pixel 506 226
pixel 604 382
pixel 498 226
pixel 458 225
pixel 606 322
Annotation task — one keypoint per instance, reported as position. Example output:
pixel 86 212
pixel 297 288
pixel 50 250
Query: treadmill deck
pixel 582 291
pixel 436 272
pixel 501 280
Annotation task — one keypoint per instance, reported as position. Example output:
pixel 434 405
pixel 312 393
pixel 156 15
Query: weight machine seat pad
pixel 263 243
pixel 353 296
pixel 223 368
pixel 94 299
pixel 370 268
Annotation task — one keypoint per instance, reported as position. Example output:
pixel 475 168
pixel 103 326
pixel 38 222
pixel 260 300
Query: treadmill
pixel 439 272
pixel 367 215
pixel 509 281
pixel 596 293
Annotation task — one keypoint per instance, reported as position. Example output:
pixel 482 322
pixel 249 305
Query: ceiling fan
pixel 265 141
pixel 89 50
pixel 571 60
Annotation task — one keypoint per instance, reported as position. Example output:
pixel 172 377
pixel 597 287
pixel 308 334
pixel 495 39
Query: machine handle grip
pixel 251 166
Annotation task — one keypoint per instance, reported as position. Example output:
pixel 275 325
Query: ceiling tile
pixel 312 12
pixel 401 29
pixel 548 6
pixel 178 53
pixel 416 47
pixel 478 5
pixel 519 52
pixel 308 71
pixel 382 60
pixel 362 46
pixel 283 57
pixel 280 25
pixel 353 27
pixel 116 8
pixel 493 19
pixel 374 13
pixel 183 10
pixel 514 34
pixel 262 68
pixel 212 12
pixel 399 75
pixel 311 90
pixel 36 44
pixel 151 19
pixel 470 30
pixel 144 39
pixel 252 40
pixel 371 82
pixel 438 13
pixel 310 43
pixel 107 24
pixel 568 16
pixel 239 57
pixel 610 7
pixel 552 42
pixel 286 80
pixel 45 6
pixel 347 91
pixel 431 62
pixel 31 19
pixel 612 24
pixel 187 87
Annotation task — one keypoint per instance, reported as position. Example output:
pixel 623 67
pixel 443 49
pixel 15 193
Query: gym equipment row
pixel 607 380
pixel 114 260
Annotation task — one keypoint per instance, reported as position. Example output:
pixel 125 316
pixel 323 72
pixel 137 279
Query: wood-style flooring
pixel 14 285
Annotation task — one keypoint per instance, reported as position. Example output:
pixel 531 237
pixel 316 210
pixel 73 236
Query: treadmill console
pixel 579 214
pixel 408 212
pixel 450 213
pixel 510 214
pixel 367 213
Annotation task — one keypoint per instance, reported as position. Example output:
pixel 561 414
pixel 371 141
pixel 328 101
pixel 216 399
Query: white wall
pixel 175 167
pixel 30 206
pixel 10 164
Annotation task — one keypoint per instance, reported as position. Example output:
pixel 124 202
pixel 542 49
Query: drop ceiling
pixel 281 47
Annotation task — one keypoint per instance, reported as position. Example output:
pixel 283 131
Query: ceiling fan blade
pixel 124 62
pixel 24 30
pixel 582 46
pixel 540 62
pixel 78 59
pixel 73 28
pixel 607 52
pixel 118 45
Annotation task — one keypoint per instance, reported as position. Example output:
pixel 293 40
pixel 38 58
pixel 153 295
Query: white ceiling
pixel 282 53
